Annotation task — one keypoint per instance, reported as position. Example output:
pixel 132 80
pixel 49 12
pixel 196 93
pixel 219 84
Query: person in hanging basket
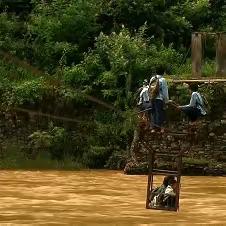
pixel 161 196
pixel 197 107
pixel 158 90
pixel 169 199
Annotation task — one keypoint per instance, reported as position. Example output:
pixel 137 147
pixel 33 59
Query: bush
pixel 117 65
pixel 96 157
pixel 54 141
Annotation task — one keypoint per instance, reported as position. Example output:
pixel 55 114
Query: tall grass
pixel 185 70
pixel 13 157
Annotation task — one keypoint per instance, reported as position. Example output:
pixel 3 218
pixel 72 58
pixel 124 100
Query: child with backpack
pixel 159 96
pixel 196 108
pixel 144 102
pixel 160 196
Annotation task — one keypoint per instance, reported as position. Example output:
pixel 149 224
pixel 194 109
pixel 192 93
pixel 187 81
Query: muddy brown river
pixel 103 198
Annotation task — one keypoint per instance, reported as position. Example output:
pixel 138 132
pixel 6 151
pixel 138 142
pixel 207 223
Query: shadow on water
pixel 104 197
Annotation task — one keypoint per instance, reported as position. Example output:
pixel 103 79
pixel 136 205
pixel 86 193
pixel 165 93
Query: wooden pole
pixel 196 52
pixel 221 54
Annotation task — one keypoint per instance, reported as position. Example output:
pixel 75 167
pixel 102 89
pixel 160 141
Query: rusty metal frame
pixel 181 137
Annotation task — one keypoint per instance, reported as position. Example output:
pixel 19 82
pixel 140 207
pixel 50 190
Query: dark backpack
pixel 159 194
pixel 205 104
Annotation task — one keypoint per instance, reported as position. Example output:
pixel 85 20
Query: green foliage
pixel 104 49
pixel 129 122
pixel 10 27
pixel 68 95
pixel 20 87
pixel 15 158
pixel 108 137
pixel 60 141
pixel 27 91
pixel 212 93
pixel 218 12
pixel 168 21
pixel 107 130
pixel 184 70
pixel 53 141
pixel 40 140
pixel 183 94
pixel 118 64
pixel 53 30
pixel 209 69
pixel 96 156
pixel 72 21
pixel 62 28
pixel 195 161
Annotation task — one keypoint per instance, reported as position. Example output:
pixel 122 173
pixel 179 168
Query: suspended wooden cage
pixel 169 202
pixel 197 50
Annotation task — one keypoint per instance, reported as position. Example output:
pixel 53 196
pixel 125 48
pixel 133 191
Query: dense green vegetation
pixel 60 51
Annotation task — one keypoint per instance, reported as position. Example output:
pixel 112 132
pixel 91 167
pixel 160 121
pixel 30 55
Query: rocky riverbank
pixel 204 148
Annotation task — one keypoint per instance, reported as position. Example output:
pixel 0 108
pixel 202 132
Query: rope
pixel 38 113
pixel 185 56
pixel 6 56
pixel 214 80
pixel 144 110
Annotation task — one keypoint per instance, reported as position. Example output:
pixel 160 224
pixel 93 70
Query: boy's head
pixel 145 82
pixel 172 182
pixel 193 87
pixel 160 70
pixel 169 180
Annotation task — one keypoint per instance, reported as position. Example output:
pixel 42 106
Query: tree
pixel 118 64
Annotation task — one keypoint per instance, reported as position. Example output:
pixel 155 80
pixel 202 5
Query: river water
pixel 103 198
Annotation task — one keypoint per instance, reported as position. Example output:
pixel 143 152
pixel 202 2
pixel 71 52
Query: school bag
pixel 204 103
pixel 154 88
pixel 157 196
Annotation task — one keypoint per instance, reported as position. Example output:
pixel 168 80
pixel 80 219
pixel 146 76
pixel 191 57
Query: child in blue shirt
pixel 195 109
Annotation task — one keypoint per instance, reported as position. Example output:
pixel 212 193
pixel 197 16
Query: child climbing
pixel 164 196
pixel 196 108
pixel 158 90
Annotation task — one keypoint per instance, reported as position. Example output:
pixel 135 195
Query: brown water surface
pixel 103 198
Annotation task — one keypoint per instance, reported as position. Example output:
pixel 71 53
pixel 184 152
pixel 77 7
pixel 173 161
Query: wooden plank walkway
pixel 206 80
